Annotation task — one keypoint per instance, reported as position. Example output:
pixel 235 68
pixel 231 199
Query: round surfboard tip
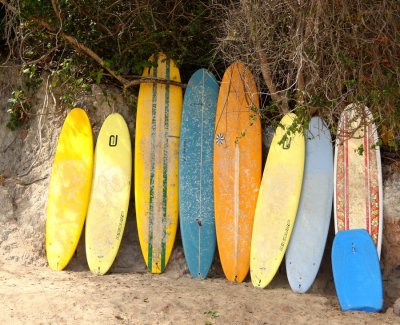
pixel 55 264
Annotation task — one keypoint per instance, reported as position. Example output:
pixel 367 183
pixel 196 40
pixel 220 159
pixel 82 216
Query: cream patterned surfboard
pixel 358 174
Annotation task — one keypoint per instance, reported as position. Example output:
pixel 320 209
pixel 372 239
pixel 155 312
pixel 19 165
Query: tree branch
pixel 300 76
pixel 83 48
pixel 8 6
pixel 44 56
pixel 266 72
pixel 56 8
pixel 141 80
pixel 85 12
pixel 264 65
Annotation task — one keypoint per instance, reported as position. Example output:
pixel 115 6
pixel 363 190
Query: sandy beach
pixel 38 295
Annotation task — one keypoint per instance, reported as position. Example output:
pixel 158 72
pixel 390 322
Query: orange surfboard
pixel 237 168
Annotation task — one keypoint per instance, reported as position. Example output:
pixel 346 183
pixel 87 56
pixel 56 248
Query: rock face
pixel 391 220
pixel 6 206
pixel 396 307
pixel 26 157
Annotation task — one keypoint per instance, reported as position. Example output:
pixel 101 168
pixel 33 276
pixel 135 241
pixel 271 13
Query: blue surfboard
pixel 356 271
pixel 196 196
pixel 307 243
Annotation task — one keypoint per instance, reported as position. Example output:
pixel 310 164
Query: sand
pixel 38 295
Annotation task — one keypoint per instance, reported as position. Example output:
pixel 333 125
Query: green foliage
pixel 320 55
pixel 360 150
pixel 297 126
pixel 348 50
pixel 393 144
pixel 72 80
pixel 212 313
pixel 33 76
pixel 99 76
pixel 123 33
pixel 18 108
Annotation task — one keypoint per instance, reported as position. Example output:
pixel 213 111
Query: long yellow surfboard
pixel 109 199
pixel 277 203
pixel 156 163
pixel 69 190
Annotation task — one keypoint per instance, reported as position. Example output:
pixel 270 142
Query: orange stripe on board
pixel 366 180
pixel 373 191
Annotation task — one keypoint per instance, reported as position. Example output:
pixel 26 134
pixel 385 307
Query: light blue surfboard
pixel 356 271
pixel 307 243
pixel 196 196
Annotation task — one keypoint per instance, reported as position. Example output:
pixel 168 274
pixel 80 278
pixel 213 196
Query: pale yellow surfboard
pixel 156 163
pixel 109 199
pixel 277 204
pixel 69 190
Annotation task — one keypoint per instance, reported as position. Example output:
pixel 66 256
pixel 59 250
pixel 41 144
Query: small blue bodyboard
pixel 196 193
pixel 356 271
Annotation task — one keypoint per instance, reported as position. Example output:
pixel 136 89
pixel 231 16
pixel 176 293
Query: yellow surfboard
pixel 277 203
pixel 156 163
pixel 109 199
pixel 69 190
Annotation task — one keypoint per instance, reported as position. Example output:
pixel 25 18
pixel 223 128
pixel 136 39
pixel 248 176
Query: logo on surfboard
pixel 287 143
pixel 113 140
pixel 220 138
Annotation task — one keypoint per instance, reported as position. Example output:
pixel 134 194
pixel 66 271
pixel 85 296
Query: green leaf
pixel 99 76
